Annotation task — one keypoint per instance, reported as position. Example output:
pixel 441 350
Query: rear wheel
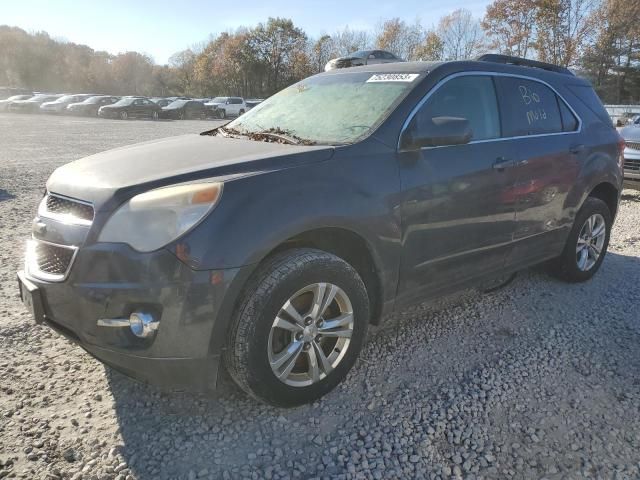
pixel 587 243
pixel 221 113
pixel 180 115
pixel 155 116
pixel 299 328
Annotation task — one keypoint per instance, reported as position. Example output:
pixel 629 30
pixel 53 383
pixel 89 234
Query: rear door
pixel 458 217
pixel 548 155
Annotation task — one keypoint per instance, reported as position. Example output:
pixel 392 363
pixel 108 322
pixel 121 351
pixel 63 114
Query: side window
pixel 137 102
pixel 527 107
pixel 470 97
pixel 569 120
pixel 388 56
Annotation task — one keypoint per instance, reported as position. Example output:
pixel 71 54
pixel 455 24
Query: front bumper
pixel 632 168
pixel 109 113
pixel 111 281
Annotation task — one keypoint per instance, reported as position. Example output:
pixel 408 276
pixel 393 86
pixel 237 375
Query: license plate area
pixel 31 297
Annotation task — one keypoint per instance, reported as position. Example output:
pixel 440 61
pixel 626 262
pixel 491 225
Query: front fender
pixel 259 212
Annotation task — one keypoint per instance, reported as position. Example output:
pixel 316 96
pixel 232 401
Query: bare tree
pixel 563 27
pixel 431 48
pixel 347 41
pixel 183 63
pixel 321 52
pixel 510 25
pixel 461 36
pixel 400 38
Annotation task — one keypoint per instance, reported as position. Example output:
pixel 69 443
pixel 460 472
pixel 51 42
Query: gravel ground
pixel 537 380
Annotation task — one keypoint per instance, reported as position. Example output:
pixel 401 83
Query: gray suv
pixel 269 245
pixel 631 135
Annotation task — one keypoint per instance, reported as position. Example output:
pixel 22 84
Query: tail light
pixel 621 146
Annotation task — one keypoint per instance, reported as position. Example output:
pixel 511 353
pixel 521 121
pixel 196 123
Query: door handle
pixel 576 149
pixel 502 162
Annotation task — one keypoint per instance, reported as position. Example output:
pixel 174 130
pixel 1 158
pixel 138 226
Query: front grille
pixel 49 261
pixel 632 165
pixel 633 145
pixel 70 210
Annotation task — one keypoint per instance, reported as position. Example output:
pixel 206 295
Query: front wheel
pixel 299 327
pixel 124 115
pixel 155 116
pixel 587 243
pixel 221 114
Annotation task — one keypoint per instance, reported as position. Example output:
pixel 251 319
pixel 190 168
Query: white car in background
pixel 362 57
pixel 223 107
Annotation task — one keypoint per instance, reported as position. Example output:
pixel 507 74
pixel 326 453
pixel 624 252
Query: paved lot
pixel 538 380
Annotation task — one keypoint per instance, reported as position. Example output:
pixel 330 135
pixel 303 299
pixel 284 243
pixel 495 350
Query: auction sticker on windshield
pixel 393 77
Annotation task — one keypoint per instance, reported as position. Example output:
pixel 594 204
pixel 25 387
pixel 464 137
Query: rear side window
pixel 527 107
pixel 569 120
pixel 470 97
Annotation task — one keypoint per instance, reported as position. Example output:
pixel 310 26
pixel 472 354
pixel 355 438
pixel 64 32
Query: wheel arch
pixel 608 193
pixel 342 242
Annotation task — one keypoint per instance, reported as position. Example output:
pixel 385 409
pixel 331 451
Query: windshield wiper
pixel 273 135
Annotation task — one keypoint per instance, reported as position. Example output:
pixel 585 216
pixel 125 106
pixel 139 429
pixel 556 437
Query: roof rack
pixel 506 59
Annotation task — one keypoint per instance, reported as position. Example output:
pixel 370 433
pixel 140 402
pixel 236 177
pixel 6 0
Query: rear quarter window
pixel 527 107
pixel 589 97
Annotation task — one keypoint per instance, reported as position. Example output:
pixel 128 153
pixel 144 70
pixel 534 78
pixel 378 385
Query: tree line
pixel 599 39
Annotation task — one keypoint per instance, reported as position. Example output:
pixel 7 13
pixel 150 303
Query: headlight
pixel 153 219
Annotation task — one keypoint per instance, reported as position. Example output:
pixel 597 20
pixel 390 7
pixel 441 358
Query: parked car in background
pixel 253 102
pixel 223 107
pixel 270 244
pixel 32 105
pixel 362 57
pixel 91 105
pixel 4 104
pixel 60 105
pixel 161 101
pixel 131 107
pixel 631 136
pixel 184 109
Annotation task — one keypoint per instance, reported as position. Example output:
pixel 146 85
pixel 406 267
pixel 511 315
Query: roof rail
pixel 506 59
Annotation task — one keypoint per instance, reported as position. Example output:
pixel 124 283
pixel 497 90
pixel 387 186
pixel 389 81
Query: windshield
pixel 219 100
pixel 19 97
pixel 177 103
pixel 360 54
pixel 93 99
pixel 66 98
pixel 124 102
pixel 329 109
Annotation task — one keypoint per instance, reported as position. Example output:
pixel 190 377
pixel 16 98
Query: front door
pixel 458 216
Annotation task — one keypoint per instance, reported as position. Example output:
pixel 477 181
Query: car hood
pixel 109 178
pixel 52 104
pixel 631 133
pixel 211 104
pixel 80 104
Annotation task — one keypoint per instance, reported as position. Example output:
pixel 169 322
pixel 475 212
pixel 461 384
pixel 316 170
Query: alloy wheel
pixel 310 335
pixel 590 242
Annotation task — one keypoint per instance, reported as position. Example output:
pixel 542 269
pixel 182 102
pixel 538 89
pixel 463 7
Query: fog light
pixel 142 324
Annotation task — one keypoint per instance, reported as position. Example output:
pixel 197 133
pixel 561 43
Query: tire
pixel 241 112
pixel 181 116
pixel 124 115
pixel 250 352
pixel 155 116
pixel 222 114
pixel 568 265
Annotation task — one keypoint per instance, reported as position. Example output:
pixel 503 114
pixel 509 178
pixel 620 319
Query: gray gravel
pixel 537 380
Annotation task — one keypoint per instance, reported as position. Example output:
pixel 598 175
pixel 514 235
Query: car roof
pixel 461 66
pixel 395 67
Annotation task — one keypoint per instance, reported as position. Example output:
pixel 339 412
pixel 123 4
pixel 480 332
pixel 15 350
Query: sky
pixel 160 28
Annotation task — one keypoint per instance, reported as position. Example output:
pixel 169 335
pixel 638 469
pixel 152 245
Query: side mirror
pixel 437 132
